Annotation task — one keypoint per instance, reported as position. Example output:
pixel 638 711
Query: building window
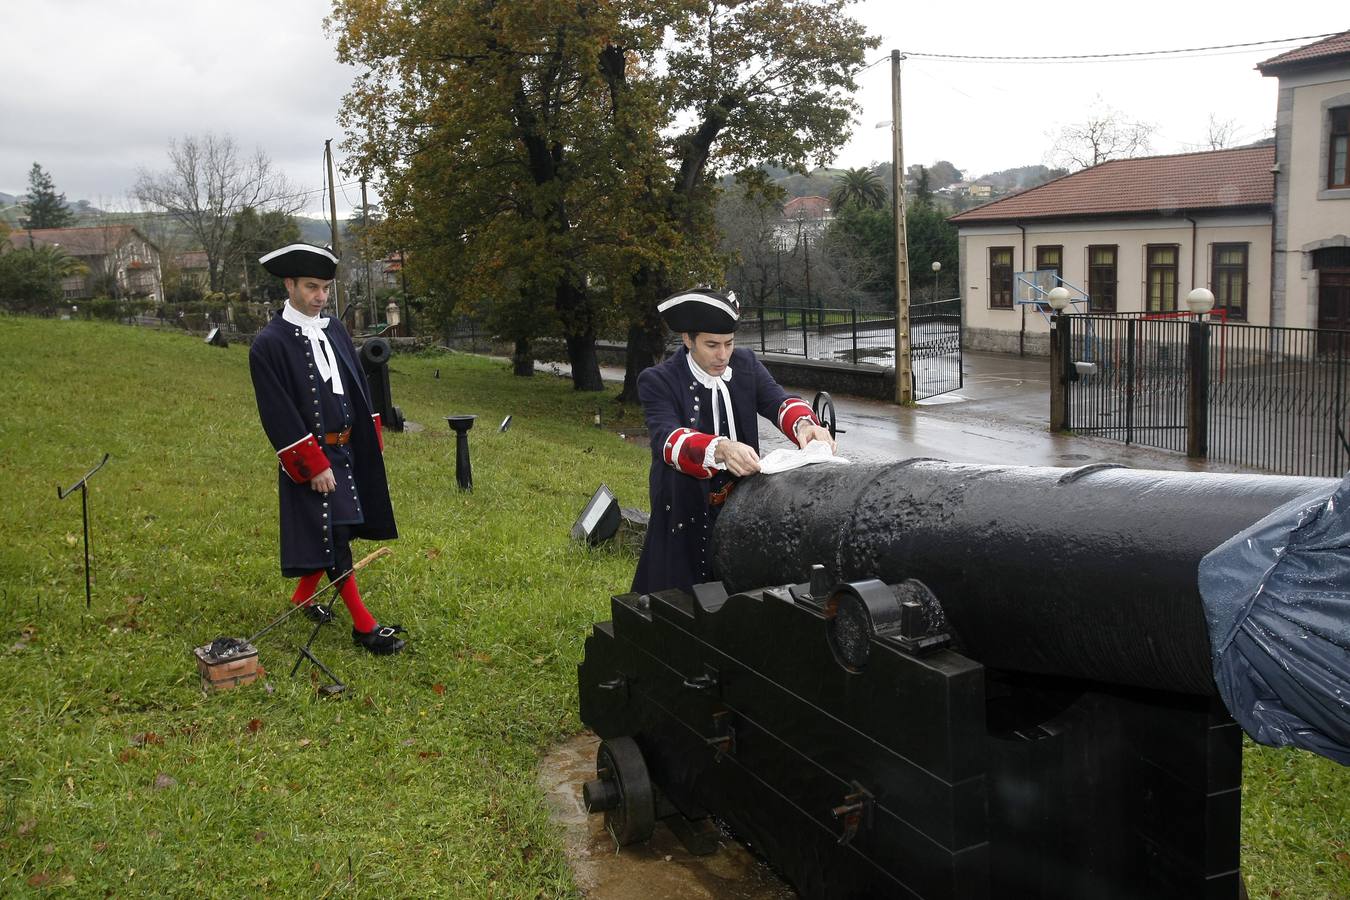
pixel 1051 259
pixel 1229 278
pixel 1161 284
pixel 1102 278
pixel 1001 277
pixel 1338 156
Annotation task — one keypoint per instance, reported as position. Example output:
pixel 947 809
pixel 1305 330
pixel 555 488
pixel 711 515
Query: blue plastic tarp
pixel 1277 603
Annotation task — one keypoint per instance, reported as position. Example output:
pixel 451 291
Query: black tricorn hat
pixel 301 261
pixel 700 309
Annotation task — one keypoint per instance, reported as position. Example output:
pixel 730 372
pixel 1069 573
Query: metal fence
pixel 863 336
pixel 818 332
pixel 1266 397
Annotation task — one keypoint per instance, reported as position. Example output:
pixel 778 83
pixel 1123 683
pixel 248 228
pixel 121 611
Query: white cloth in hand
pixel 783 459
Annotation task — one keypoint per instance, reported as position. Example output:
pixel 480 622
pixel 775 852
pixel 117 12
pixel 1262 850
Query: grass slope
pixel 120 777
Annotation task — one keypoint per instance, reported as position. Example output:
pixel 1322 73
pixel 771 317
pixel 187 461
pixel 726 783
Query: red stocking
pixel 305 589
pixel 362 620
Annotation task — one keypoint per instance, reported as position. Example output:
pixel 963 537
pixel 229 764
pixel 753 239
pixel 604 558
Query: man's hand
pixel 740 459
pixel 325 482
pixel 808 431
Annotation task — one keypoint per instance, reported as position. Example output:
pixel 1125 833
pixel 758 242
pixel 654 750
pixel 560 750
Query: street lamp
pixel 1059 299
pixel 937 267
pixel 1200 301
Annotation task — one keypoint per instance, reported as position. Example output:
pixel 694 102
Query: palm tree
pixel 858 186
pixel 31 276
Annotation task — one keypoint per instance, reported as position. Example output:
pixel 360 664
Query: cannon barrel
pixel 1081 573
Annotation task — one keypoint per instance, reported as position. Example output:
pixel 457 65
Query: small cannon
pixel 375 353
pixel 927 680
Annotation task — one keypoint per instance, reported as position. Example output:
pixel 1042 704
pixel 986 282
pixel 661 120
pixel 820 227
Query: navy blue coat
pixel 677 552
pixel 284 382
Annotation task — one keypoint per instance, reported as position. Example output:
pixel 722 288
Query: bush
pixel 184 292
pixel 245 318
pixel 110 310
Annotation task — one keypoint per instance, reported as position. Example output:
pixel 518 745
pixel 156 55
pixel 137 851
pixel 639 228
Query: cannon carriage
pixel 940 681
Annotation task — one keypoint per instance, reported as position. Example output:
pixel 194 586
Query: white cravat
pixel 313 327
pixel 721 397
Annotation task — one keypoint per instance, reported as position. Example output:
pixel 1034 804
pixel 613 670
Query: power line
pixel 1092 57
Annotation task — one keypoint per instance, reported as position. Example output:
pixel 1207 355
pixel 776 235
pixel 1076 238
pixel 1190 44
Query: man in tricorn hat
pixel 700 406
pixel 315 407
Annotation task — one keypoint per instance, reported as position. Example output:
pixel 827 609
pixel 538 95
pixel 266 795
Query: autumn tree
pixel 44 207
pixel 758 82
pixel 569 150
pixel 207 185
pixel 1105 134
pixel 512 151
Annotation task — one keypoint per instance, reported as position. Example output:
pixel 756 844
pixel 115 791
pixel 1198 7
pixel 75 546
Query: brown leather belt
pixel 719 496
pixel 338 437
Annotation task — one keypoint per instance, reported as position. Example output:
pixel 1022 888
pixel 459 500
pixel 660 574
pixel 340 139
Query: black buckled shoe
pixel 383 641
pixel 318 613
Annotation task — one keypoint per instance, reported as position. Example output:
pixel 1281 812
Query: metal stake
pixel 83 485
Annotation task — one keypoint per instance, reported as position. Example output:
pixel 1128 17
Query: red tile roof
pixel 1152 185
pixel 807 208
pixel 1324 51
pixel 97 241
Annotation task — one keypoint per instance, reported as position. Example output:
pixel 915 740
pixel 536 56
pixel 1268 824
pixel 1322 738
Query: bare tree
pixel 1221 134
pixel 206 185
pixel 1105 135
pixel 752 242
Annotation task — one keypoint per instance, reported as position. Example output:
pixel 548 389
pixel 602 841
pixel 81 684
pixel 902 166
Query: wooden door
pixel 1333 311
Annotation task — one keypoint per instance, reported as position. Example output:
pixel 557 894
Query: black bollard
pixel 460 425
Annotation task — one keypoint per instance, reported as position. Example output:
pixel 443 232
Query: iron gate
pixel 1273 398
pixel 935 347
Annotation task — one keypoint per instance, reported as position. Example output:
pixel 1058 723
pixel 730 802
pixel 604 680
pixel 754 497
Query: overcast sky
pixel 96 89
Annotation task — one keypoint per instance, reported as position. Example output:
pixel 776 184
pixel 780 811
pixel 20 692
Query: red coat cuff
pixel 684 450
pixel 304 459
pixel 793 410
pixel 379 430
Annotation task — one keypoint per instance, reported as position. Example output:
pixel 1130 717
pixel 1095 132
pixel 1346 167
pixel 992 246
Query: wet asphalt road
pixel 1001 415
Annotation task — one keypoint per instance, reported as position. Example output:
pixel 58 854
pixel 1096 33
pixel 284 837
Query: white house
pixel 1264 227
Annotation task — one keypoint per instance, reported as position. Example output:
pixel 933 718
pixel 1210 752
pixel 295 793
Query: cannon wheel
pixel 823 407
pixel 633 818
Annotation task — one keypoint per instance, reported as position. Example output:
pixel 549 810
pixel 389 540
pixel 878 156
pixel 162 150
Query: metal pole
pixel 365 252
pixel 403 277
pixel 332 212
pixel 854 311
pixel 904 366
pixel 1197 405
pixel 84 512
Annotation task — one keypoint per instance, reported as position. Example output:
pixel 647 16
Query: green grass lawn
pixel 120 777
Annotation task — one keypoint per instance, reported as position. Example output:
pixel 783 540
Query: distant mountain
pixel 1019 178
pixel 315 231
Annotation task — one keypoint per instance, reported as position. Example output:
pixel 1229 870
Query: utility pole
pixel 332 212
pixel 904 366
pixel 365 251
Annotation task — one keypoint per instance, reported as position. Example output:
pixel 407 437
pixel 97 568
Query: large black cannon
pixel 940 681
